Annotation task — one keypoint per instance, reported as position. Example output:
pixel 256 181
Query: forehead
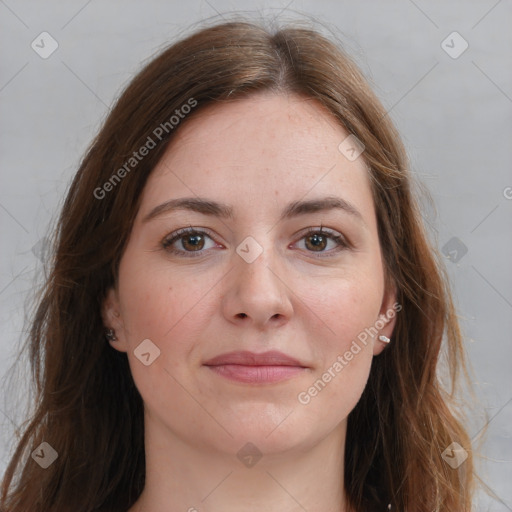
pixel 266 124
pixel 265 149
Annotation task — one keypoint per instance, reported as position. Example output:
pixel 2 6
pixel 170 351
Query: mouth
pixel 252 368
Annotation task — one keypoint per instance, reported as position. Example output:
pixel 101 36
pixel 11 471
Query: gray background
pixel 453 113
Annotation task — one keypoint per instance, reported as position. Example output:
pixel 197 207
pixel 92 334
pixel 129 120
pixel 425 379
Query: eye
pixel 316 240
pixel 192 241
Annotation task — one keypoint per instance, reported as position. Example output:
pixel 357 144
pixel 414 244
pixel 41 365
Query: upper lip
pixel 246 358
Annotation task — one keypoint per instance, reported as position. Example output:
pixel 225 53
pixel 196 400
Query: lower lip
pixel 257 374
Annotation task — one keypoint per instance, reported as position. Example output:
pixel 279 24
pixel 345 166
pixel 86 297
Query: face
pixel 260 278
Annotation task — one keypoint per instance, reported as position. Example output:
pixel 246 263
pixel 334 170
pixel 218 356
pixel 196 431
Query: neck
pixel 181 477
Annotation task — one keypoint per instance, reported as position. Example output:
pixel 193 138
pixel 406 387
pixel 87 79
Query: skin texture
pixel 257 155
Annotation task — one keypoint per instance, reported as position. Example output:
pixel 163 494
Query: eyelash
pixel 180 234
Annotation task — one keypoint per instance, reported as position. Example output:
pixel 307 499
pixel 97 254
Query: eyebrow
pixel 216 209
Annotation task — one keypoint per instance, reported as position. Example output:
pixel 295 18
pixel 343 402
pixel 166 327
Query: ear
pixel 112 319
pixel 385 324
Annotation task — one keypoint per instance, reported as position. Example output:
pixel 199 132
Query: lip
pixel 247 358
pixel 253 368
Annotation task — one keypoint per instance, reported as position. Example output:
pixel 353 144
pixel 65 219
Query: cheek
pixel 155 303
pixel 146 304
pixel 345 355
pixel 346 313
pixel 172 310
pixel 345 307
pixel 155 307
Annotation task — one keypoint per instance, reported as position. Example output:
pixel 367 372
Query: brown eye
pixel 186 242
pixel 193 242
pixel 317 242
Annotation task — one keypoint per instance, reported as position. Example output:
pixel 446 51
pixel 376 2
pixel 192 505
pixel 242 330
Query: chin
pixel 271 428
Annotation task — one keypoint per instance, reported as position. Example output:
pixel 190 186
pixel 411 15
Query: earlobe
pixel 112 321
pixel 110 309
pixel 387 320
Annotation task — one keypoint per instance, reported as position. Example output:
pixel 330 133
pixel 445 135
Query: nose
pixel 257 293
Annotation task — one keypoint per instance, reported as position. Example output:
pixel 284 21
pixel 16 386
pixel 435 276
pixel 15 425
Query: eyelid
pixel 324 231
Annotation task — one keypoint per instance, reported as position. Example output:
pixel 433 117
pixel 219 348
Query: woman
pixel 244 311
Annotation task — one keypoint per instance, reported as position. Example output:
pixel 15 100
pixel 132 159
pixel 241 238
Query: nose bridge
pixel 255 261
pixel 257 289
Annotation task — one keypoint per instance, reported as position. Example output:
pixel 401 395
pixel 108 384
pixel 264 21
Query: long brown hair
pixel 87 407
